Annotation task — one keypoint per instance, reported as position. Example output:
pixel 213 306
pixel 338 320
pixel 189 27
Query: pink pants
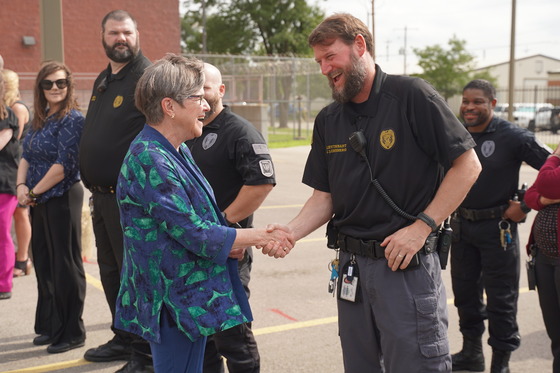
pixel 8 205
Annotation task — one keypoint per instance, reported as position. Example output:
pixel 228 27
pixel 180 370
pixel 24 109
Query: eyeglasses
pixel 48 84
pixel 197 97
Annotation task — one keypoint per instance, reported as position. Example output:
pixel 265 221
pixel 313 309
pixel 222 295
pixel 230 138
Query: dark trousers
pixel 548 287
pixel 176 353
pixel 479 263
pixel 398 322
pixel 238 344
pixel 57 255
pixel 109 242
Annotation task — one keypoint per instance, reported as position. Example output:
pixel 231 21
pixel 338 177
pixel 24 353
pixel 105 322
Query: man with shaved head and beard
pixel 484 259
pixel 234 158
pixel 111 123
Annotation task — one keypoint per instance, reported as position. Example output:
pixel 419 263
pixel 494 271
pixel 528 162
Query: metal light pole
pixel 511 63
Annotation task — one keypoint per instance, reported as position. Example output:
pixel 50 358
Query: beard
pixel 353 83
pixel 120 55
pixel 480 119
pixel 212 103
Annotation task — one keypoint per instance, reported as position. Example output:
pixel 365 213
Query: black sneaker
pixel 136 366
pixel 65 346
pixel 5 294
pixel 109 351
pixel 42 340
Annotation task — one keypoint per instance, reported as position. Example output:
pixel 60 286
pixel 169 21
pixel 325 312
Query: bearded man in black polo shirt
pixel 112 122
pixel 388 164
pixel 235 160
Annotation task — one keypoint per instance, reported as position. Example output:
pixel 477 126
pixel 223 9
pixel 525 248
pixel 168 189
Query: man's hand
pixel 282 247
pixel 514 212
pixel 401 246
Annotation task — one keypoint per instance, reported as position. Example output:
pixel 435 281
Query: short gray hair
pixel 174 76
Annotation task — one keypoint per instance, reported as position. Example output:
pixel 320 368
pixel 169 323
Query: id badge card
pixel 349 282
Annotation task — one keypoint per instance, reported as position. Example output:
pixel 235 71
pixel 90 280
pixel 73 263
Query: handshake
pixel 275 240
pixel 281 241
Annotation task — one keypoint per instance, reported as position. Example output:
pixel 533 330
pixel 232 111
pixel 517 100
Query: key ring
pixel 502 226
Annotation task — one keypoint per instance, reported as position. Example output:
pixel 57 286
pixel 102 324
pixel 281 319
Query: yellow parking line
pixel 259 331
pixel 51 367
pixel 294 325
pixel 279 206
pixel 94 282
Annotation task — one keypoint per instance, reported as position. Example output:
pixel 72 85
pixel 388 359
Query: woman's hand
pixel 237 253
pixel 547 201
pixel 23 196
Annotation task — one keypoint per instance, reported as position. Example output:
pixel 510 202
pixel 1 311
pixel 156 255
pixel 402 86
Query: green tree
pixel 262 27
pixel 449 70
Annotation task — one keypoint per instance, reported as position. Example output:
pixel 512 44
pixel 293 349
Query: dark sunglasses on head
pixel 48 84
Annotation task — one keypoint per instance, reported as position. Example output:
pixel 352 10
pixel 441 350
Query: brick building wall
pixel 158 25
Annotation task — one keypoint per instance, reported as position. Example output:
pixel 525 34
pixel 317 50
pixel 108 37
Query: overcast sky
pixel 484 24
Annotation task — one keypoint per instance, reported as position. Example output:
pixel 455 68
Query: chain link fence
pixel 277 93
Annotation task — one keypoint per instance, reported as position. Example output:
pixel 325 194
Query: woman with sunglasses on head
pixel 48 181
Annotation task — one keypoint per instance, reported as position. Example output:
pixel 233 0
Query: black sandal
pixel 23 268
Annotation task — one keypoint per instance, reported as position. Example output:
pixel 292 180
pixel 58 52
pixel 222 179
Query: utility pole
pixel 373 26
pixel 203 5
pixel 403 50
pixel 511 63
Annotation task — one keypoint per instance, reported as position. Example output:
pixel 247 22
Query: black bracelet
pixel 526 209
pixel 20 184
pixel 33 195
pixel 428 220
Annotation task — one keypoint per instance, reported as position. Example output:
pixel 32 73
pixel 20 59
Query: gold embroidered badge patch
pixel 387 139
pixel 118 101
pixel 93 98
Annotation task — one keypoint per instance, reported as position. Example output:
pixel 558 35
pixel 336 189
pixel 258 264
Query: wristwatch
pixel 428 220
pixel 229 223
pixel 524 207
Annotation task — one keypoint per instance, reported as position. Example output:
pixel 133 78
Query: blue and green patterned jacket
pixel 176 246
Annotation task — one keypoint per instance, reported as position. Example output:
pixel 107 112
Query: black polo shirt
pixel 111 123
pixel 412 138
pixel 232 153
pixel 501 149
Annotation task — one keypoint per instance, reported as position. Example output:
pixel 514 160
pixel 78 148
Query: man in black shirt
pixel 112 122
pixel 396 133
pixel 486 254
pixel 235 160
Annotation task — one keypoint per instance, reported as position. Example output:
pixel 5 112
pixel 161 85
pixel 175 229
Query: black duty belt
pixel 102 189
pixel 373 249
pixel 482 214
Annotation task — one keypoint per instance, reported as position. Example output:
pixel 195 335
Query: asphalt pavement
pixel 295 316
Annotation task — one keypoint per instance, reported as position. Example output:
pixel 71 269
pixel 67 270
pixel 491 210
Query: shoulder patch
pixel 387 139
pixel 266 167
pixel 261 149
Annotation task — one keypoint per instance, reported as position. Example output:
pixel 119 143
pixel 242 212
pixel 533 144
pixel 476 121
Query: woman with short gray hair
pixel 179 280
